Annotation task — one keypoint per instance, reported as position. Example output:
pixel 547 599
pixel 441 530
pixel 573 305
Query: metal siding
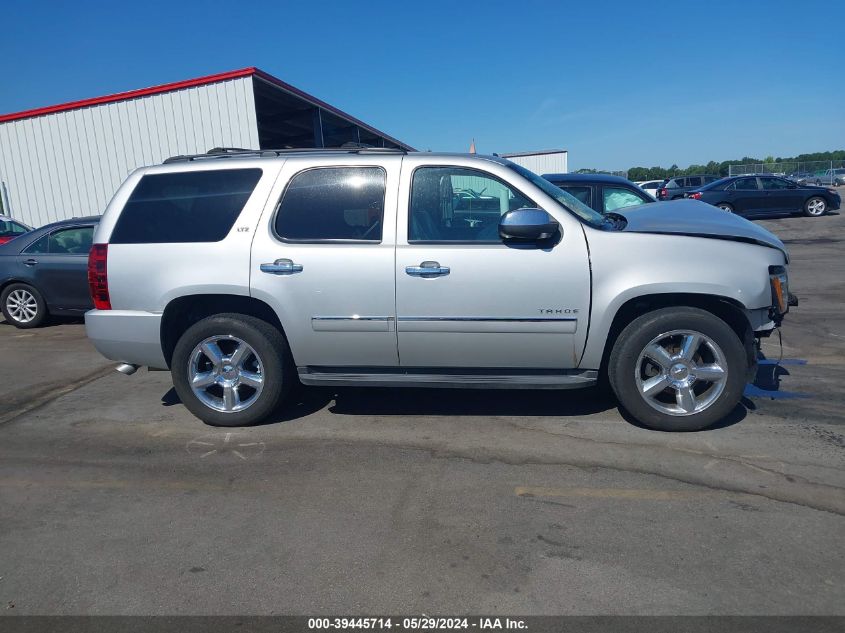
pixel 543 163
pixel 67 164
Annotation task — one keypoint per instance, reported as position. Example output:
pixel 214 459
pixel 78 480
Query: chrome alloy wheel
pixel 726 207
pixel 816 206
pixel 225 373
pixel 22 306
pixel 681 372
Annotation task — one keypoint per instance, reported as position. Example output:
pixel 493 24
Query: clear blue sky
pixel 618 84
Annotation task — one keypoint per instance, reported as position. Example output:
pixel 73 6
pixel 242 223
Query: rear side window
pixel 584 194
pixel 675 183
pixel 746 184
pixel 694 181
pixel 197 206
pixel 333 203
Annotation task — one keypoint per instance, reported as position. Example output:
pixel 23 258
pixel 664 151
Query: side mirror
pixel 527 225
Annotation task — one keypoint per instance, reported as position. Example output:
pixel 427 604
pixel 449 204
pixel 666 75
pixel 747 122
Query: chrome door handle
pixel 30 262
pixel 281 267
pixel 427 269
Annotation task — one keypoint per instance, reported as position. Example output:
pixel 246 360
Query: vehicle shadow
pixel 51 321
pixel 377 401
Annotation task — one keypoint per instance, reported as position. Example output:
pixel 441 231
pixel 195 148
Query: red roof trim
pixel 190 83
pixel 132 94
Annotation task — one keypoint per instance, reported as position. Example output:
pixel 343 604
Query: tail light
pixel 5 238
pixel 98 281
pixel 695 196
pixel 661 193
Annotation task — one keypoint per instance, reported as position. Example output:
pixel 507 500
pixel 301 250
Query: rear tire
pixel 815 207
pixel 698 378
pixel 232 369
pixel 724 206
pixel 23 306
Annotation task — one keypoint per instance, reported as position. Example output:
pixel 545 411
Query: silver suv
pixel 243 272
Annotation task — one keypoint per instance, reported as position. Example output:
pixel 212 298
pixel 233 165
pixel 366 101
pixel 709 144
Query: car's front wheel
pixel 678 369
pixel 232 369
pixel 724 206
pixel 815 207
pixel 23 306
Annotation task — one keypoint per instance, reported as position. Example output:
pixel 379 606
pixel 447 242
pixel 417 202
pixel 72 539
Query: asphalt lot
pixel 115 500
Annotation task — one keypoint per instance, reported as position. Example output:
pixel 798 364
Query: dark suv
pixel 602 192
pixel 678 187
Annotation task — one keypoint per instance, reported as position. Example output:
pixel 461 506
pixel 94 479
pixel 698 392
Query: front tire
pixel 23 306
pixel 678 369
pixel 232 369
pixel 815 207
pixel 724 206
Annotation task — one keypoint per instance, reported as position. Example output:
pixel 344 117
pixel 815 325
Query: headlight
pixel 779 281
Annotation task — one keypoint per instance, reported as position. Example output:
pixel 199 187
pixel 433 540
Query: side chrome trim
pixel 499 325
pixel 362 377
pixel 354 323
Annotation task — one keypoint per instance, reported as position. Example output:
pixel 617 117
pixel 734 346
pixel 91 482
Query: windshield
pixel 570 202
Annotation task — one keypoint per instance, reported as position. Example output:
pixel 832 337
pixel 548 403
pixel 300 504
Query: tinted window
pixel 40 245
pixel 746 184
pixel 453 204
pixel 72 241
pixel 333 203
pixel 675 183
pixel 694 181
pixel 709 179
pixel 197 206
pixel 584 194
pixel 775 184
pixel 619 197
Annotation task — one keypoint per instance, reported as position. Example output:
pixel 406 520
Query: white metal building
pixel 547 161
pixel 67 160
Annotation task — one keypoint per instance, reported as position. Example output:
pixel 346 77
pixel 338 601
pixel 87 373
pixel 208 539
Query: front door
pixel 323 259
pixel 57 265
pixel 781 195
pixel 464 299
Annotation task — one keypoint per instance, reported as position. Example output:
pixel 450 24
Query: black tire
pixel 622 367
pixel 268 344
pixel 41 313
pixel 815 207
pixel 724 206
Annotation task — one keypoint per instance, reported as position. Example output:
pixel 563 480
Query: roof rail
pixel 229 152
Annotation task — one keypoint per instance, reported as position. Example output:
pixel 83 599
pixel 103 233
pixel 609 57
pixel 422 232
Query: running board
pixel 446 378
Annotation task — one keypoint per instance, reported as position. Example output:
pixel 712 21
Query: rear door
pixel 484 304
pixel 323 259
pixel 58 264
pixel 745 196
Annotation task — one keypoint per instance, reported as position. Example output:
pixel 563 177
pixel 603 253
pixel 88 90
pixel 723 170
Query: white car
pixel 650 186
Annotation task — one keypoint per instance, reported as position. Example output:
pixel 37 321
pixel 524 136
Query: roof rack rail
pixel 228 152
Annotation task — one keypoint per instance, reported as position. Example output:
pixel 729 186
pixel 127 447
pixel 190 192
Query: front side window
pixel 73 241
pixel 333 203
pixel 455 204
pixel 619 198
pixel 194 206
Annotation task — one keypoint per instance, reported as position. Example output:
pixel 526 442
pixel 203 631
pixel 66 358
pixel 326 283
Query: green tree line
pixel 721 169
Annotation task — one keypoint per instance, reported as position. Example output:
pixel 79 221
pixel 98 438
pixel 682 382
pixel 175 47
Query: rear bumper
pixel 128 336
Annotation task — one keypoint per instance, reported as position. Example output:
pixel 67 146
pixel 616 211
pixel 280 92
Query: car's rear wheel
pixel 678 369
pixel 724 206
pixel 815 207
pixel 23 306
pixel 232 369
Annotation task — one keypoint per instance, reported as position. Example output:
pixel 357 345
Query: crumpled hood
pixel 697 219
